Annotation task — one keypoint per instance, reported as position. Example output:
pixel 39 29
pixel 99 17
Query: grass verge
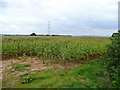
pixel 90 74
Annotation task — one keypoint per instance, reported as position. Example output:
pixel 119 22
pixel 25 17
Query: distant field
pixel 63 48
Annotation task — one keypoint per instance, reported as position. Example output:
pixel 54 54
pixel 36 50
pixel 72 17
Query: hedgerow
pixel 113 57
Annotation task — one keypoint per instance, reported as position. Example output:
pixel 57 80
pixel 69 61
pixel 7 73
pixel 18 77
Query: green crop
pixel 62 48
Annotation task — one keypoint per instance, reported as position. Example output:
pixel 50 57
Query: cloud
pixel 75 17
pixel 3 19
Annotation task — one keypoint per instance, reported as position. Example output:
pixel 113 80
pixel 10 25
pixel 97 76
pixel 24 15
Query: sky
pixel 73 17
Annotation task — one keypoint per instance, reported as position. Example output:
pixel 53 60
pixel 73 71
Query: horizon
pixel 58 35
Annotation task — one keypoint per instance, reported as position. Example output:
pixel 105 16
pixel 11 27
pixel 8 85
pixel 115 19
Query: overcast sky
pixel 75 17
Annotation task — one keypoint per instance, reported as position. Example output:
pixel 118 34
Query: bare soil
pixel 37 64
pixel 41 63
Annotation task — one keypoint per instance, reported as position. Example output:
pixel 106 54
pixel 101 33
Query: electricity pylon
pixel 49 27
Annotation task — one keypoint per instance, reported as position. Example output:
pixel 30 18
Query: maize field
pixel 61 48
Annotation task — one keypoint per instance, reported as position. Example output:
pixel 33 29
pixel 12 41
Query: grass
pixel 19 67
pixel 91 74
pixel 34 76
pixel 22 58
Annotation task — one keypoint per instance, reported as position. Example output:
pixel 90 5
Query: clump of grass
pixel 19 67
pixel 27 78
pixel 22 58
pixel 46 63
pixel 55 62
pixel 26 65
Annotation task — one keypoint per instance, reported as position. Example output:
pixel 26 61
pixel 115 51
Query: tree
pixel 33 34
pixel 114 34
pixel 113 55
